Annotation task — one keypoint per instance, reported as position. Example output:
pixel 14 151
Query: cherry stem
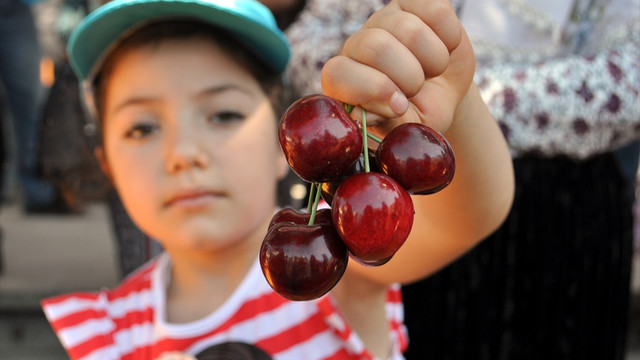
pixel 348 107
pixel 365 147
pixel 314 209
pixel 312 190
pixel 374 138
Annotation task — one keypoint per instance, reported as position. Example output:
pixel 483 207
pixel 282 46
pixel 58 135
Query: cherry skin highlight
pixel 303 262
pixel 373 214
pixel 319 139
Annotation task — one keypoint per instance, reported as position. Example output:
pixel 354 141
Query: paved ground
pixel 46 255
pixel 43 256
pixel 51 254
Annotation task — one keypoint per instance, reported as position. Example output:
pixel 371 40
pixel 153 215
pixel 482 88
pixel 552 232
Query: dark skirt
pixel 552 283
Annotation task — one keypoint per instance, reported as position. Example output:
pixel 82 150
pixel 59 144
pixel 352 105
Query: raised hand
pixel 410 62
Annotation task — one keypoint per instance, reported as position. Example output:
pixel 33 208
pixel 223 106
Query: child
pixel 186 95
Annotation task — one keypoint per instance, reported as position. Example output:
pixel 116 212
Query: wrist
pixel 471 107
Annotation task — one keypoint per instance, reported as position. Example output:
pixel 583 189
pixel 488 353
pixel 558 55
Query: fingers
pixel 440 16
pixel 391 57
pixel 414 35
pixel 347 80
pixel 381 50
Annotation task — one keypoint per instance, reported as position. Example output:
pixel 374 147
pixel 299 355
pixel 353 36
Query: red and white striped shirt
pixel 128 322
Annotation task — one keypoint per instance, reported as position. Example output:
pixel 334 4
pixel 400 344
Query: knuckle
pixel 374 44
pixel 411 28
pixel 437 61
pixel 440 9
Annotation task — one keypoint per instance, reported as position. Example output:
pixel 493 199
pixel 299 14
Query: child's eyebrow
pixel 136 100
pixel 208 91
pixel 224 88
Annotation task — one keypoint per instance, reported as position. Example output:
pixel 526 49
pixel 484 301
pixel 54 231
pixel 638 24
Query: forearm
pixel 576 106
pixel 449 223
pixel 483 186
pixel 478 199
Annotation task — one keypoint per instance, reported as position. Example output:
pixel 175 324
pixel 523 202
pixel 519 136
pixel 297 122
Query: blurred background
pixel 80 238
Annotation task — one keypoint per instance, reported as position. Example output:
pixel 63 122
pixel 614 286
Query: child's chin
pixel 207 238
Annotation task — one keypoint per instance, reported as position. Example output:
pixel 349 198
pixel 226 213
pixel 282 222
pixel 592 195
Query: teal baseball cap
pixel 102 29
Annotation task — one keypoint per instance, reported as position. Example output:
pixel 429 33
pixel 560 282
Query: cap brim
pixel 249 21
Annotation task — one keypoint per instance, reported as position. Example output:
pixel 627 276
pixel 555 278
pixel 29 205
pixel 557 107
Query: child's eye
pixel 224 117
pixel 140 131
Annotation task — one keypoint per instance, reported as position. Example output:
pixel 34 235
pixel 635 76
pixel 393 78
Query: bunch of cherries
pixel 304 254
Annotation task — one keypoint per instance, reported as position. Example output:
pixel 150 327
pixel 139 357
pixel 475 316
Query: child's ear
pixel 102 160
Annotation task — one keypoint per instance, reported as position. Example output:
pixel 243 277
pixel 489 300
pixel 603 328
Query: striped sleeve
pixel 353 344
pixel 101 325
pixel 395 311
pixel 81 322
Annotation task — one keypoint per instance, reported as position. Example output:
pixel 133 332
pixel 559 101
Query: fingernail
pixel 399 103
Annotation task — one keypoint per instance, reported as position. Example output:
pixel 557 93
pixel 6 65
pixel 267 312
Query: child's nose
pixel 186 152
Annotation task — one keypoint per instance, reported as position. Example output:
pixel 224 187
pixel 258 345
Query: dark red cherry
pixel 303 262
pixel 373 214
pixel 319 139
pixel 418 157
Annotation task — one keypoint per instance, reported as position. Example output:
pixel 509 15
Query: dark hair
pixel 233 351
pixel 286 17
pixel 155 33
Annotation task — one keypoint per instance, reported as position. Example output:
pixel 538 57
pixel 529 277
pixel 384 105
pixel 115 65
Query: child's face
pixel 190 144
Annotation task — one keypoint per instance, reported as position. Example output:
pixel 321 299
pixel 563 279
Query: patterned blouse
pixel 564 80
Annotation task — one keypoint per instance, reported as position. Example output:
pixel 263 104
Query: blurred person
pixel 2 162
pixel 562 79
pixel 20 89
pixel 20 78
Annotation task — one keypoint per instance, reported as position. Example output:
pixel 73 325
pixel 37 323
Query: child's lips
pixel 194 198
